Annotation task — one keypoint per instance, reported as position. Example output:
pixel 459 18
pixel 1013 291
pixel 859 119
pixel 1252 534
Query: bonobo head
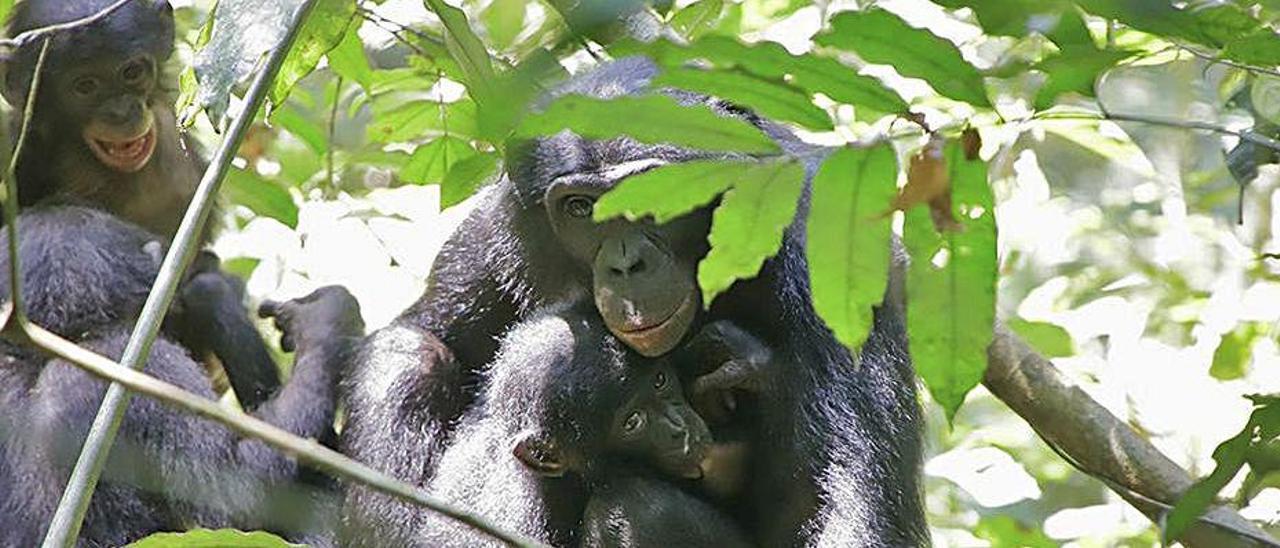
pixel 643 274
pixel 101 80
pixel 577 400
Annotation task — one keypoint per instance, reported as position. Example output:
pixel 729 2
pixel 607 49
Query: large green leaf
pixel 952 283
pixel 1154 16
pixel 322 31
pixel 697 18
pixel 1260 47
pixel 748 226
pixel 466 176
pixel 1235 351
pixel 1048 339
pixel 881 37
pixel 649 119
pixel 417 119
pixel 348 60
pixel 504 19
pixel 262 196
pixel 466 49
pixel 205 538
pixel 849 237
pixel 773 98
pixel 1263 425
pixel 770 60
pixel 672 190
pixel 238 34
pixel 1074 70
pixel 430 162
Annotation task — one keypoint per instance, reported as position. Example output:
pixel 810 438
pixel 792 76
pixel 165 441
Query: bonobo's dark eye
pixel 85 85
pixel 578 206
pixel 634 423
pixel 134 71
pixel 660 380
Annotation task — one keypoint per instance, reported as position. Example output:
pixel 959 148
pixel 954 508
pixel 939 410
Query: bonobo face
pixel 643 273
pixel 657 424
pixel 109 103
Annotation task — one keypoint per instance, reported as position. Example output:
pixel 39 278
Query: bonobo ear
pixel 539 454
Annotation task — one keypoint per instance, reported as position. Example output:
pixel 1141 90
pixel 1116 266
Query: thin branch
pixel 65 527
pixel 305 450
pixel 17 321
pixel 1228 62
pixel 1250 136
pixel 1103 446
pixel 32 35
pixel 333 118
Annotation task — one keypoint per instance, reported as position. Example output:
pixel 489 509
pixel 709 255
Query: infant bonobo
pixel 568 412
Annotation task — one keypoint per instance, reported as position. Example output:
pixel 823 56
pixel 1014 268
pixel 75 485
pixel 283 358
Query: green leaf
pixel 747 228
pixel 1235 350
pixel 849 235
pixel 1230 457
pixel 1074 70
pixel 1258 48
pixel 466 176
pixel 238 34
pixel 466 49
pixel 304 128
pixel 881 37
pixel 205 538
pixel 1156 17
pixel 951 313
pixel 349 61
pixel 697 18
pixel 418 119
pixel 430 162
pixel 322 31
pixel 260 195
pixel 672 190
pixel 770 60
pixel 1225 22
pixel 1018 17
pixel 1049 340
pixel 649 119
pixel 773 98
pixel 1007 532
pixel 504 19
pixel 240 267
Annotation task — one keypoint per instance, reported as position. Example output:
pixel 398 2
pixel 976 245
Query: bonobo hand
pixel 729 362
pixel 326 315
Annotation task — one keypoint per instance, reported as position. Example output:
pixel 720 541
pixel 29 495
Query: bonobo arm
pixel 322 328
pixel 214 318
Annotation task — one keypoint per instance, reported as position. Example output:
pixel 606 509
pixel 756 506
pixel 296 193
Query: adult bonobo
pixel 170 470
pixel 840 457
pixel 103 135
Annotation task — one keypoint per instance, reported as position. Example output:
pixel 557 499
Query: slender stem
pixel 1250 136
pixel 17 321
pixel 305 450
pixel 333 122
pixel 33 34
pixel 65 527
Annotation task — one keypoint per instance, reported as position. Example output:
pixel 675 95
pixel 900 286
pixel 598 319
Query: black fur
pixel 170 469
pixel 842 456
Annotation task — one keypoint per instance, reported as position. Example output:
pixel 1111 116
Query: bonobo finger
pixel 269 308
pixel 723 341
pixel 286 342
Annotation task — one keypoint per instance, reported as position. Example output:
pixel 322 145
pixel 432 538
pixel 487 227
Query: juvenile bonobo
pixel 566 410
pixel 842 460
pixel 170 470
pixel 103 135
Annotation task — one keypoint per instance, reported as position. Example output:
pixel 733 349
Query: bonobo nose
pixel 124 112
pixel 626 256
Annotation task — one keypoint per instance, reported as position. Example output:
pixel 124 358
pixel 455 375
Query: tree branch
pixel 35 34
pixel 1103 446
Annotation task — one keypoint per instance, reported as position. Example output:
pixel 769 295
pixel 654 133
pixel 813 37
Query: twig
pixel 333 117
pixel 15 324
pixel 304 450
pixel 65 527
pixel 1252 137
pixel 1228 62
pixel 27 37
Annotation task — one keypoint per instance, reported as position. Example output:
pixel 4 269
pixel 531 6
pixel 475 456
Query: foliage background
pixel 1120 238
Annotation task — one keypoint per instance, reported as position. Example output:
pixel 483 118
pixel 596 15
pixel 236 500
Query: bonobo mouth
pixel 656 338
pixel 124 155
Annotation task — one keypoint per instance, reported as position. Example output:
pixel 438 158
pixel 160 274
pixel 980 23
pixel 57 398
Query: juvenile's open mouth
pixel 124 155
